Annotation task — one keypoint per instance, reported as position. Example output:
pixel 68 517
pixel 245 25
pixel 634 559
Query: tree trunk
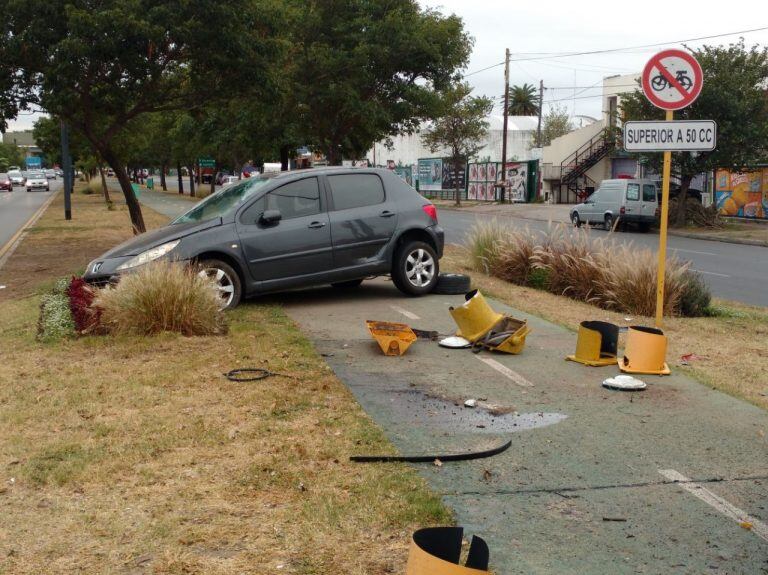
pixel 134 208
pixel 682 200
pixel 284 158
pixel 192 181
pixel 181 179
pixel 213 178
pixel 198 175
pixel 104 187
pixel 163 184
pixel 456 180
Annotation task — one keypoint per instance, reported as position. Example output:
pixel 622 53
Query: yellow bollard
pixel 597 344
pixel 393 338
pixel 475 317
pixel 645 351
pixel 437 550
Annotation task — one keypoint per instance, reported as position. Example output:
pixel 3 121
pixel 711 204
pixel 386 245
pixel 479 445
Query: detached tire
pixel 453 284
pixel 415 268
pixel 226 279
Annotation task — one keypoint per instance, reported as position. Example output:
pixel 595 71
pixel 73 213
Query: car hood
pixel 149 240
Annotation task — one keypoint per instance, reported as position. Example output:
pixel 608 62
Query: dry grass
pixel 572 263
pixel 161 296
pixel 734 344
pixel 134 455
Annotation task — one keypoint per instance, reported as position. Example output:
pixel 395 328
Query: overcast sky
pixel 559 26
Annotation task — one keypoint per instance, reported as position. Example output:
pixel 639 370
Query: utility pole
pixel 502 188
pixel 541 110
pixel 66 161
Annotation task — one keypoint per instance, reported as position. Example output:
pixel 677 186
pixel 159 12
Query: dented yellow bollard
pixel 393 338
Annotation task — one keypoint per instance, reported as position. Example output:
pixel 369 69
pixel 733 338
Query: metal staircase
pixel 573 169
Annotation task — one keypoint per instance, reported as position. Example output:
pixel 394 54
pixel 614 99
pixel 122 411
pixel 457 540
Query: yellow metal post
pixel 663 231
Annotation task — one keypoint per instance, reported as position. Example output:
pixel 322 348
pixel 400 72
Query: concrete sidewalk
pixel 588 485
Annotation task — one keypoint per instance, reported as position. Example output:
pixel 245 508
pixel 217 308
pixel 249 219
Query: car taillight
pixel 623 210
pixel 430 210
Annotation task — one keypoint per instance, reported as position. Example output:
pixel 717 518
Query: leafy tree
pixel 734 96
pixel 555 123
pixel 460 126
pixel 10 155
pixel 523 101
pixel 100 65
pixel 361 71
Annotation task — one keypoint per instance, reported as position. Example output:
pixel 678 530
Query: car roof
pixel 327 170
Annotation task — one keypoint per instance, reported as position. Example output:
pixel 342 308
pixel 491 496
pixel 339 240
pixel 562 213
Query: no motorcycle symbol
pixel 672 79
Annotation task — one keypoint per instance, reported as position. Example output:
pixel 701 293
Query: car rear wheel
pixel 415 269
pixel 575 219
pixel 608 222
pixel 225 279
pixel 348 284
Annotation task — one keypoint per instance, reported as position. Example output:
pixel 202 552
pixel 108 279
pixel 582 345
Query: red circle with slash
pixel 672 79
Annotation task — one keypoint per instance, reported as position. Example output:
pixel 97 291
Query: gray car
pixel 295 229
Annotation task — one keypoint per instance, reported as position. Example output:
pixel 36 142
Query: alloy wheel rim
pixel 224 285
pixel 419 268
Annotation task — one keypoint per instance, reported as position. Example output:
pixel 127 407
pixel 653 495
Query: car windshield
pixel 15 174
pixel 223 201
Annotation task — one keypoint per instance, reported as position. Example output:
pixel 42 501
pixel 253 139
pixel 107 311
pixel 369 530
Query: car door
pixel 649 203
pixel 590 207
pixel 362 217
pixel 296 246
pixel 633 200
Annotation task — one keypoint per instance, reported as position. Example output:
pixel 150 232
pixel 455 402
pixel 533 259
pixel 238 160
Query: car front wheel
pixel 415 268
pixel 225 279
pixel 575 219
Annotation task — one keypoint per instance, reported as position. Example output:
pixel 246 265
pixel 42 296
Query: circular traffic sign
pixel 672 79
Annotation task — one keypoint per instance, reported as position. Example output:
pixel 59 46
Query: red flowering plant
pixel 81 295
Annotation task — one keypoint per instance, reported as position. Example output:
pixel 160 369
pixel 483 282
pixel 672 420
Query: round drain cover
pixel 454 342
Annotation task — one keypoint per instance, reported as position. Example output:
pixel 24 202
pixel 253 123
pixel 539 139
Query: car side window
pixel 649 193
pixel 355 190
pixel 293 200
pixel 633 192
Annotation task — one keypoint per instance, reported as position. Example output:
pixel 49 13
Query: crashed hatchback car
pixel 295 229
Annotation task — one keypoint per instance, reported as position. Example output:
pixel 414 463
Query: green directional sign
pixel 207 162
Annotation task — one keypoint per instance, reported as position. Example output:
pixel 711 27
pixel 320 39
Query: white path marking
pixel 710 273
pixel 505 371
pixel 693 252
pixel 758 527
pixel 405 312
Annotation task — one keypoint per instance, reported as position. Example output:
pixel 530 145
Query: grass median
pixel 132 454
pixel 732 348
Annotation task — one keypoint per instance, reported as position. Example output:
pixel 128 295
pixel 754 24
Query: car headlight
pixel 149 255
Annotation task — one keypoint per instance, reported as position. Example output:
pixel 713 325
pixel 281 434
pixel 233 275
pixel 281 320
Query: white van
pixel 629 201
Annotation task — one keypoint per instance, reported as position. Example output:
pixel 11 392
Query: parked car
pixel 674 191
pixel 221 176
pixel 295 229
pixel 37 181
pixel 17 177
pixel 630 201
pixel 228 180
pixel 50 174
pixel 5 183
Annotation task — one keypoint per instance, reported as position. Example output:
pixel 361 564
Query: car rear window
pixel 649 193
pixel 633 192
pixel 355 190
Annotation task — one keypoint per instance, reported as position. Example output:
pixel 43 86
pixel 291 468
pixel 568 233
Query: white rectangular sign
pixel 674 136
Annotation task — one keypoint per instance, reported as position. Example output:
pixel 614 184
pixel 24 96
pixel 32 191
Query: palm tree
pixel 523 101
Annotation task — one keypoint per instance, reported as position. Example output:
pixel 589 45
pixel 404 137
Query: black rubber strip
pixel 467 456
pixel 259 373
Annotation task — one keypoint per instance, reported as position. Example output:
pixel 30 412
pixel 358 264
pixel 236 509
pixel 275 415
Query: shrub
pixel 571 263
pixel 81 297
pixel 92 187
pixel 162 296
pixel 55 321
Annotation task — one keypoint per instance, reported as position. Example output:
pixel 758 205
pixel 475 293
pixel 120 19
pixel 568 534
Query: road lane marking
pixel 740 516
pixel 505 371
pixel 710 273
pixel 405 312
pixel 693 252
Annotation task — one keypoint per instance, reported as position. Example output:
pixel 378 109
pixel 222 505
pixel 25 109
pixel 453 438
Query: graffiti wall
pixel 742 194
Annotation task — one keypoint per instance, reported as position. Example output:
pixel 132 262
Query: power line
pixel 553 55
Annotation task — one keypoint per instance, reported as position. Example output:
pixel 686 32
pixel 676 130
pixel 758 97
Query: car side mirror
pixel 270 217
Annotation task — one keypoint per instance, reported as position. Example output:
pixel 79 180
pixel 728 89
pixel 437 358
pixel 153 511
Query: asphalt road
pixel 18 206
pixel 732 271
pixel 589 484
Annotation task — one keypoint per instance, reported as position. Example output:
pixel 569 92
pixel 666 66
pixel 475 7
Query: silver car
pixel 630 201
pixel 17 178
pixel 37 181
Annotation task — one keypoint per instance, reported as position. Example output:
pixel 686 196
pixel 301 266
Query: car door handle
pixel 315 225
pixel 386 214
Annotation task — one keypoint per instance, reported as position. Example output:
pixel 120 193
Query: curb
pixel 746 242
